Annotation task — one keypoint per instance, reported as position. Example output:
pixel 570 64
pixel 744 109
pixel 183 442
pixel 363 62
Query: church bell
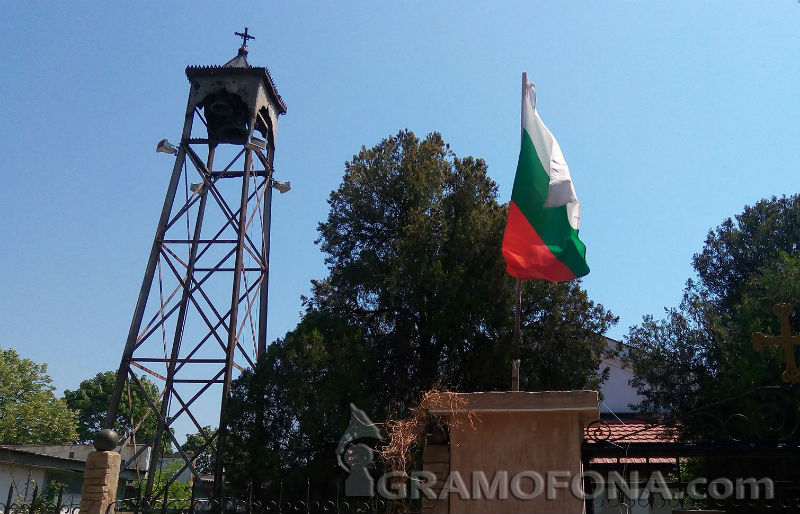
pixel 227 117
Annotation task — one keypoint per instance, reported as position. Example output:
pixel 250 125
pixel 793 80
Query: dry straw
pixel 407 436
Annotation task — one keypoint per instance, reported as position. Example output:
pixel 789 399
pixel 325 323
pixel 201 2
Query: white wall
pixel 617 391
pixel 23 479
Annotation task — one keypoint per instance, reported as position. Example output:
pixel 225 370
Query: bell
pixel 231 131
pixel 165 146
pixel 227 118
pixel 221 108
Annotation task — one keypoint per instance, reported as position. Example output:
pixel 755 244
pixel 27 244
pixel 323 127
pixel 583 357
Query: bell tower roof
pixel 238 67
pixel 240 61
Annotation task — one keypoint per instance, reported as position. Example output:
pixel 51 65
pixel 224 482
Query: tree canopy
pixel 412 243
pixel 179 492
pixel 204 460
pixel 416 297
pixel 30 413
pixel 701 351
pixel 90 402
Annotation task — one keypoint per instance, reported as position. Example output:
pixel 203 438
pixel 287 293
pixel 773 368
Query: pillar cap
pixel 106 440
pixel 514 401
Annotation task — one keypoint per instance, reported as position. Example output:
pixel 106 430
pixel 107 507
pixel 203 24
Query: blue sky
pixel 672 115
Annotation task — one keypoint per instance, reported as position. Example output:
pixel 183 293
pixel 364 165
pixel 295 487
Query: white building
pixel 618 393
pixel 23 469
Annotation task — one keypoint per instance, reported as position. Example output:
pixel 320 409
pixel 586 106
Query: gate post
pixel 101 475
pixel 526 445
pixel 99 490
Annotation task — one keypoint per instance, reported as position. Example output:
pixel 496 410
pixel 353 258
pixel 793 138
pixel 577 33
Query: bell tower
pixel 206 319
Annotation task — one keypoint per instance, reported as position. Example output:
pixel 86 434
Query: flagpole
pixel 517 292
pixel 515 364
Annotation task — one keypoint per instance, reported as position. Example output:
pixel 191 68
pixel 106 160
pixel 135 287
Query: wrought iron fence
pixel 658 503
pixel 275 506
pixel 749 436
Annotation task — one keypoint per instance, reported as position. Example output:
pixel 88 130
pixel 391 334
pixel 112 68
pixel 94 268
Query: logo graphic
pixel 354 455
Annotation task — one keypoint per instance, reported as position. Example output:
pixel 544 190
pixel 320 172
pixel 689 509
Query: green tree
pixel 697 367
pixel 179 492
pixel 48 500
pixel 90 402
pixel 417 297
pixel 289 413
pixel 739 249
pixel 205 459
pixel 701 351
pixel 413 242
pixel 29 411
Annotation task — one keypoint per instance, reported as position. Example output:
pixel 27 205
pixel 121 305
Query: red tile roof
pixel 621 433
pixel 639 432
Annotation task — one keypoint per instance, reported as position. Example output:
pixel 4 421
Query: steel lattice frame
pixel 196 331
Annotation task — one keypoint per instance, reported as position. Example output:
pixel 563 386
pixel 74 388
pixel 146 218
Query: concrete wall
pixel 22 478
pixel 25 478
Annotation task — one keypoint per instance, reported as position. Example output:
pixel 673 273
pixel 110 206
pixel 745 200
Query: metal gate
pixel 708 458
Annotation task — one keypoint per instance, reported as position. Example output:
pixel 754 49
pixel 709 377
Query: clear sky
pixel 672 115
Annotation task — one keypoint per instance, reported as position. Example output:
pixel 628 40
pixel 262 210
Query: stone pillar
pixel 99 490
pixel 516 437
pixel 436 460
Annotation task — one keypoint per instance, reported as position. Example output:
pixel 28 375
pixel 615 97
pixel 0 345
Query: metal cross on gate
pixel 785 339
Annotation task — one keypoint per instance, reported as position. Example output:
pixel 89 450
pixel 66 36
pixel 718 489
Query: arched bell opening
pixel 263 124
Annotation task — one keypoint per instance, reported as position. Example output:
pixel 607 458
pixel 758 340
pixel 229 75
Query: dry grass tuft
pixel 406 436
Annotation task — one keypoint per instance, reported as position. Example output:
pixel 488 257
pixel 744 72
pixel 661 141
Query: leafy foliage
pixel 736 251
pixel 413 247
pixel 178 490
pixel 289 413
pixel 204 460
pixel 417 297
pixel 49 499
pixel 90 401
pixel 29 411
pixel 701 352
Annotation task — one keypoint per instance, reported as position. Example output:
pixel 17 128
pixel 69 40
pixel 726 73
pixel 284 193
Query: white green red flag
pixel 541 237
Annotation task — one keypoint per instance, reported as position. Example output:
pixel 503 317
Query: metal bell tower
pixel 207 319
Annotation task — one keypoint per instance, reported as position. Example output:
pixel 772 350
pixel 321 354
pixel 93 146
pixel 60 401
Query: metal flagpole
pixel 515 364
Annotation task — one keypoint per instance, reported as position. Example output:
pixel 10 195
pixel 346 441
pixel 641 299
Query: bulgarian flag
pixel 541 237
